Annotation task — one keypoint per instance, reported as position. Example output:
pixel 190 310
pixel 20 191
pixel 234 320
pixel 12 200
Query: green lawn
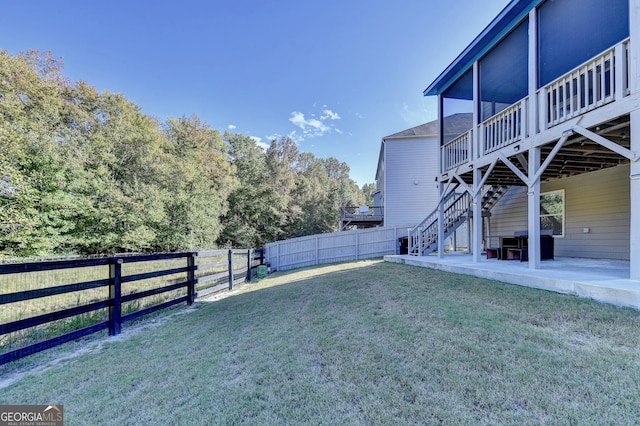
pixel 359 343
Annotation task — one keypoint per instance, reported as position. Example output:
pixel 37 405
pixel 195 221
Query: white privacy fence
pixel 335 247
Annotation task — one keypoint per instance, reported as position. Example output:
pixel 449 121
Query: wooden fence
pixel 46 304
pixel 335 247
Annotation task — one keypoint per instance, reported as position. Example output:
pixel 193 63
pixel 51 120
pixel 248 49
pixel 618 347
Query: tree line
pixel 85 173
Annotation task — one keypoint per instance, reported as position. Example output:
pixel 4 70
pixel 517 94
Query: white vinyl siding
pixel 510 214
pixel 598 201
pixel 411 191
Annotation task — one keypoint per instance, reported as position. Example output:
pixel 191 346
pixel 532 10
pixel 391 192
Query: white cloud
pixel 327 113
pixel 314 124
pixel 231 127
pixel 311 127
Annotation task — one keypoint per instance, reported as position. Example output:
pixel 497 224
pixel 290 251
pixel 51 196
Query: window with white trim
pixel 552 212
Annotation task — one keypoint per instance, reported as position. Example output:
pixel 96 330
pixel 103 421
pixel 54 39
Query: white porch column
pixel 441 185
pixel 476 205
pixel 475 134
pixel 533 73
pixel 475 224
pixel 634 87
pixel 634 230
pixel 534 210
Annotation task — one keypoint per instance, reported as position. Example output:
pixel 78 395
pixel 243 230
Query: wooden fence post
pixel 230 269
pixel 115 296
pixel 249 263
pixel 191 278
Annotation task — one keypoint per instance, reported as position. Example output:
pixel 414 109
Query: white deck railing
pixel 457 151
pixel 595 83
pixel 506 127
pixel 587 87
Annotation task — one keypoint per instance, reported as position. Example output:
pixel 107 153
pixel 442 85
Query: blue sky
pixel 334 75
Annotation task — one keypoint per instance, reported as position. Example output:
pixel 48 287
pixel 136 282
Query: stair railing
pixel 424 236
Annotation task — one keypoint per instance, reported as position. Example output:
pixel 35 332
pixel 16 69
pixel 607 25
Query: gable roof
pixel 501 25
pixel 455 125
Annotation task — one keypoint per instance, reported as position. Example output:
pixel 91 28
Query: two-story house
pixel 408 167
pixel 554 90
pixel 406 176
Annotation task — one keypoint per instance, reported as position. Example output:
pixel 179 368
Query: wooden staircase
pixel 492 195
pixel 423 238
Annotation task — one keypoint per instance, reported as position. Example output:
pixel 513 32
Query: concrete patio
pixel 606 281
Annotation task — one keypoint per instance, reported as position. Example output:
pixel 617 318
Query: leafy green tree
pixel 311 197
pixel 342 191
pixel 322 187
pixel 30 164
pixel 84 172
pixel 119 172
pixel 282 159
pixel 255 204
pixel 200 184
pixel 368 189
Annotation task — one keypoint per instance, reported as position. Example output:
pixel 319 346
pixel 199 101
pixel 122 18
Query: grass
pixel 360 343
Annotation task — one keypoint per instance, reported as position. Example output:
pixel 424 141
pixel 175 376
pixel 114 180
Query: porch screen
pixel 457 107
pixel 503 72
pixel 573 31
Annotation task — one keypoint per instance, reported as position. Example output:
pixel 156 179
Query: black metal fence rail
pixel 152 282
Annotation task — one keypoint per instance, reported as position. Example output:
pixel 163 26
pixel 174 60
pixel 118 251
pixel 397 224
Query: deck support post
pixel 476 243
pixel 534 209
pixel 634 231
pixel 475 231
pixel 441 184
pixel 440 224
pixel 634 88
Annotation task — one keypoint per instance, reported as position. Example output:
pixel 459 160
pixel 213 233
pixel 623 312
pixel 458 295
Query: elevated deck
pixel 361 217
pixel 594 96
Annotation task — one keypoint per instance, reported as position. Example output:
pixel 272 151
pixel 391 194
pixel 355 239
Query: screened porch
pixel 583 89
pixel 555 64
